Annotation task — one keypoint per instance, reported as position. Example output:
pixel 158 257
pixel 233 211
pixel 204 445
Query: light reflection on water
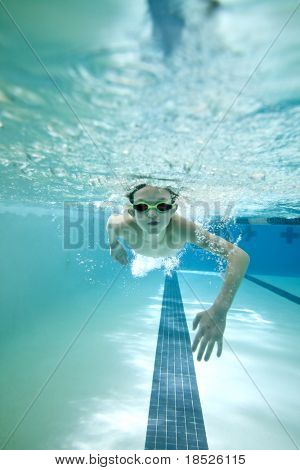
pixel 136 108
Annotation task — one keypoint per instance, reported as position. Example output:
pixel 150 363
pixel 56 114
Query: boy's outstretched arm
pixel 211 323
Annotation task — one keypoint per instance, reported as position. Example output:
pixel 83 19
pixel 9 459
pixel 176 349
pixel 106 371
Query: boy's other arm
pixel 212 322
pixel 117 251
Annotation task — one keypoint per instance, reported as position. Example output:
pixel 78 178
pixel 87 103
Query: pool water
pixel 249 395
pixel 93 100
pixel 79 336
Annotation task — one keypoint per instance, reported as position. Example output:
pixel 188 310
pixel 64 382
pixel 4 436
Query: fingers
pixel 209 349
pixel 119 254
pixel 208 345
pixel 197 320
pixel 197 339
pixel 122 258
pixel 220 346
pixel 203 345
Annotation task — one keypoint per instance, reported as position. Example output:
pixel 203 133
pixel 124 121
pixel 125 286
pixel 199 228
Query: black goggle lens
pixel 164 207
pixel 140 207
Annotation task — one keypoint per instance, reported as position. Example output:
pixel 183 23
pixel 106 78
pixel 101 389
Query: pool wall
pixel 273 249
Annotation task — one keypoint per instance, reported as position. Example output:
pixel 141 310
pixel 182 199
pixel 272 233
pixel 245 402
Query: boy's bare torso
pixel 167 243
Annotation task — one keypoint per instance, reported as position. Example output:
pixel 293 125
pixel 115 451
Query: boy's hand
pixel 118 253
pixel 211 328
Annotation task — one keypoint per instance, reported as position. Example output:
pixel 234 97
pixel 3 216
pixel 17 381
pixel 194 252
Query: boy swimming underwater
pixel 151 227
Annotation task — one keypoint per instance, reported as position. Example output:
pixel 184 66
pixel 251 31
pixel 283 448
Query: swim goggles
pixel 160 206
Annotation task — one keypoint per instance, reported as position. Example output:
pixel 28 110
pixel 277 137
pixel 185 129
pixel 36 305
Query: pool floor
pixel 94 393
pixel 249 395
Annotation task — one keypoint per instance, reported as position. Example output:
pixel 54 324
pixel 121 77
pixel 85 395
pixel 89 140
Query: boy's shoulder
pixel 180 222
pixel 186 228
pixel 119 221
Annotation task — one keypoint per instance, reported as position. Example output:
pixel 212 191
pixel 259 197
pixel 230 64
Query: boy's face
pixel 152 221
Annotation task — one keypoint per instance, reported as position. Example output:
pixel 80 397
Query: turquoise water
pixel 100 371
pixel 91 100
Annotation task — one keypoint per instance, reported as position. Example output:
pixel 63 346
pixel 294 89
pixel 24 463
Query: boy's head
pixel 152 219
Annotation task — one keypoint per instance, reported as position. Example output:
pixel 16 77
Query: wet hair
pixel 131 193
